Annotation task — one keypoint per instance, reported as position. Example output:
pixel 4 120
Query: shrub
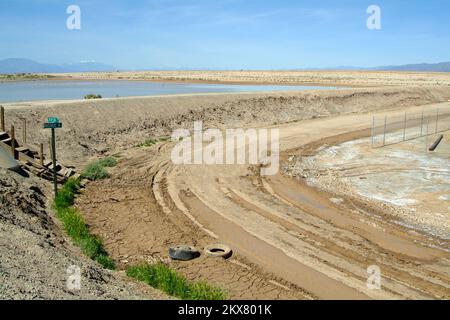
pixel 108 162
pixel 92 96
pixel 97 171
pixel 147 143
pixel 163 278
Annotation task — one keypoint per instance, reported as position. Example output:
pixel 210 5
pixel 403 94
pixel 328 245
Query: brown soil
pixel 286 231
pixel 289 240
pixel 124 211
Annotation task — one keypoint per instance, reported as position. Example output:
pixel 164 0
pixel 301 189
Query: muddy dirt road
pixel 290 240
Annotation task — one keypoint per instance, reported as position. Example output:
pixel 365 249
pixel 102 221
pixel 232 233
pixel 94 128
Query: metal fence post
pixel 384 130
pixel 373 130
pixel 404 129
pixel 437 120
pixel 421 125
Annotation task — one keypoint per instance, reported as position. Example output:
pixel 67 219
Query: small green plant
pixel 92 96
pixel 165 138
pixel 147 143
pixel 65 197
pixel 96 170
pixel 75 226
pixel 108 162
pixel 152 141
pixel 162 277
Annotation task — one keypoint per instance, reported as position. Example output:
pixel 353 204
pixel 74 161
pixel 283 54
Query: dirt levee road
pixel 92 128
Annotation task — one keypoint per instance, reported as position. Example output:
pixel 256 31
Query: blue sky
pixel 234 34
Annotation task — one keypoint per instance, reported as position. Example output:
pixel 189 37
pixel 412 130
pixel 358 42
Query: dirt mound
pixel 96 127
pixel 35 257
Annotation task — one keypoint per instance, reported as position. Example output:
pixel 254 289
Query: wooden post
pixel 426 138
pixel 2 119
pixel 13 142
pixel 50 146
pixel 24 131
pixel 41 154
pixel 384 130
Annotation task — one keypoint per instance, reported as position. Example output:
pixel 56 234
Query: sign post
pixel 53 123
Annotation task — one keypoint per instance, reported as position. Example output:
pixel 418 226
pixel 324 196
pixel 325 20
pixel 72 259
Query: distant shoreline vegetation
pixel 25 76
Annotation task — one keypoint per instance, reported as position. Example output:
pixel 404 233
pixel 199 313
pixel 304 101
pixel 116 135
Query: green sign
pixel 53 125
pixel 53 120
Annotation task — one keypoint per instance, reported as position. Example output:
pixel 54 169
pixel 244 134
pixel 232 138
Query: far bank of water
pixel 69 90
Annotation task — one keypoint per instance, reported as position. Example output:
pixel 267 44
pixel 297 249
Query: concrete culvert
pixel 183 253
pixel 218 250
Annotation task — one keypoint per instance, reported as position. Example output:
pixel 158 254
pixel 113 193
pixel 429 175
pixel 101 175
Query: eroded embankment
pixel 35 257
pixel 97 127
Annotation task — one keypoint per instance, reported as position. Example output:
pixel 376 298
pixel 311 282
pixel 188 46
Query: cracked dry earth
pixel 124 211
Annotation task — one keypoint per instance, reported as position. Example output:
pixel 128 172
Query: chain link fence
pixel 389 130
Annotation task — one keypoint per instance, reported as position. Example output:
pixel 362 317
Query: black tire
pixel 218 251
pixel 183 253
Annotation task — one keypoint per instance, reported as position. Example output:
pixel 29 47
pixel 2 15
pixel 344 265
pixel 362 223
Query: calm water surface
pixel 67 90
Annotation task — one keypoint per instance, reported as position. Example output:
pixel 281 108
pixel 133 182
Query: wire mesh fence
pixel 390 130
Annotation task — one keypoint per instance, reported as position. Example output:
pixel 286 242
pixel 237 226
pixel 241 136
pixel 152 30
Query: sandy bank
pixel 96 127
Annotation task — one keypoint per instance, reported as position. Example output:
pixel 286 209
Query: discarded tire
pixel 183 253
pixel 218 250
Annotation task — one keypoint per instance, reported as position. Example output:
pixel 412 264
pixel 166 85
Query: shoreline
pixel 335 78
pixel 29 103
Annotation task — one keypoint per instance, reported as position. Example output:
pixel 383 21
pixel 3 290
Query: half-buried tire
pixel 183 253
pixel 219 251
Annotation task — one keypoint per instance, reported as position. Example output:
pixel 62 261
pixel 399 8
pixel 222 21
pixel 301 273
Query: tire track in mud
pixel 312 252
pixel 401 258
pixel 356 254
pixel 126 212
pixel 401 289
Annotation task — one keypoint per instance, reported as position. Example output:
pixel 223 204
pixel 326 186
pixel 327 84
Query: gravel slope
pixel 35 256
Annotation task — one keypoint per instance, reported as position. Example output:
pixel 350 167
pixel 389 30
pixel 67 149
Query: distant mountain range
pixel 433 67
pixel 10 66
pixel 14 65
